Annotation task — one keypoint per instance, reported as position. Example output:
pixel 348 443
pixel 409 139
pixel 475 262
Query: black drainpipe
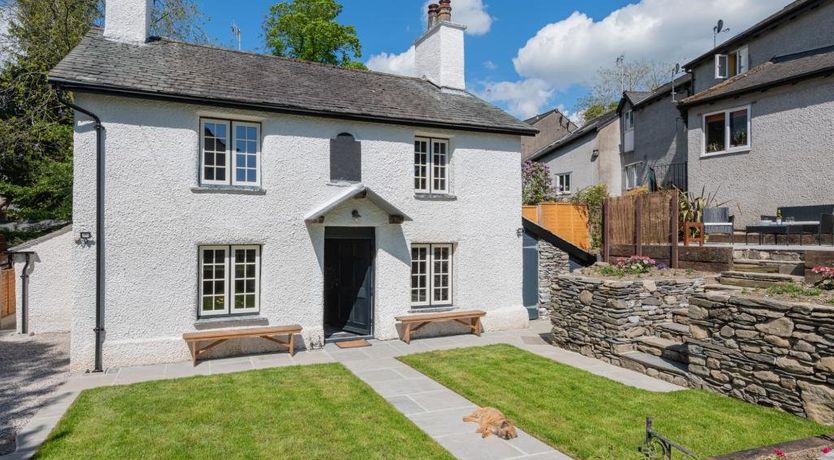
pixel 99 241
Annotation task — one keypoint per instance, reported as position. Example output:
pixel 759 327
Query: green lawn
pixel 591 417
pixel 293 412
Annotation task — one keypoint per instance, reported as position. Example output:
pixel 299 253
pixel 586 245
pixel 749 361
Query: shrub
pixel 536 183
pixel 634 265
pixel 826 280
pixel 593 198
pixel 793 290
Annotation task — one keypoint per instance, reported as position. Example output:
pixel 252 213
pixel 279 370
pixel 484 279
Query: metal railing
pixel 672 175
pixel 658 447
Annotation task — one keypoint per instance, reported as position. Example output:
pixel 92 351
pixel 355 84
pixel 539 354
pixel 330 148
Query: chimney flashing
pixel 437 26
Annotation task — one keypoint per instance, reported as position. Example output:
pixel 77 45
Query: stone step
pixel 756 280
pixel 769 266
pixel 640 361
pixel 774 255
pixel 672 331
pixel 722 287
pixel 671 350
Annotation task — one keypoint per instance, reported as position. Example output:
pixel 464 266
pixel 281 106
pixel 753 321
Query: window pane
pixel 441 256
pixel 213 283
pixel 439 156
pixel 246 153
pixel 716 141
pixel 245 279
pixel 419 256
pixel 421 161
pixel 738 128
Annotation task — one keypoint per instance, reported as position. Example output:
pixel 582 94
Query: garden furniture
pixel 218 336
pixel 414 322
pixel 698 227
pixel 718 221
pixel 826 227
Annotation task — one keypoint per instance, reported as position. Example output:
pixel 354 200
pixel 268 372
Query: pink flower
pixel 826 450
pixel 779 453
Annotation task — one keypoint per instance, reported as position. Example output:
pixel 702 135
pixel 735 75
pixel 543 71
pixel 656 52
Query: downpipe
pixel 99 240
pixel 24 288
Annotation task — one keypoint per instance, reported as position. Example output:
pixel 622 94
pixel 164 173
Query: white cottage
pixel 239 189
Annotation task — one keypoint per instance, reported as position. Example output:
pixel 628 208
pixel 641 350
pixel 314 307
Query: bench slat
pixel 241 332
pixel 420 317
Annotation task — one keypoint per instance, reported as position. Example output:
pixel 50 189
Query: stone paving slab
pixel 434 408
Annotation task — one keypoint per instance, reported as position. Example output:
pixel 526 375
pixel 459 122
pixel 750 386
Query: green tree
pixel 536 183
pixel 35 128
pixel 307 30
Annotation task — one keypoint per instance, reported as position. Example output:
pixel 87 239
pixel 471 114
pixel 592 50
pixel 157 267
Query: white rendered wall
pixel 155 223
pixel 439 55
pixel 50 291
pixel 127 20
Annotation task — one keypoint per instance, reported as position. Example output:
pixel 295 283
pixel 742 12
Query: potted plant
pixel 779 216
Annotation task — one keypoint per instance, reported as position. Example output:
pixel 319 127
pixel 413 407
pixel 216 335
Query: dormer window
pixel 628 120
pixel 732 64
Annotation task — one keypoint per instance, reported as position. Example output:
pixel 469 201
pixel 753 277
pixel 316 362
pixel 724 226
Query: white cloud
pixel 523 99
pixel 472 14
pixel 570 51
pixel 489 65
pixel 401 64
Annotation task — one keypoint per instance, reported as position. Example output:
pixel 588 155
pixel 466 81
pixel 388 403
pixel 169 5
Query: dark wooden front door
pixel 349 279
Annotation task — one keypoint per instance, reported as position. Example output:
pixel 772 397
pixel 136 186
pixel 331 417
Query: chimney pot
pixel 444 13
pixel 433 10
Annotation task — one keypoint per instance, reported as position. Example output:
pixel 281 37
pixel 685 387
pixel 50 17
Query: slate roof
pixel 164 68
pixel 589 127
pixel 641 98
pixel 636 97
pixel 779 70
pixel 788 12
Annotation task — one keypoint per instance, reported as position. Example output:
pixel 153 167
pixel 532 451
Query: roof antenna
pixel 675 72
pixel 236 33
pixel 718 29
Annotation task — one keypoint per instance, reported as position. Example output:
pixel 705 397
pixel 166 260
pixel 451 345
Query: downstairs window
pixel 229 280
pixel 431 275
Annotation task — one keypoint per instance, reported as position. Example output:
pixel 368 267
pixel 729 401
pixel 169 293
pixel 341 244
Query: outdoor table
pixel 783 228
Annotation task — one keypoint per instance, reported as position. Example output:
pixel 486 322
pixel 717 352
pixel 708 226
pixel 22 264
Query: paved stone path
pixel 432 407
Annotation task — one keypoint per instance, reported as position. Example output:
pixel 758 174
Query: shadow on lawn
pixel 31 370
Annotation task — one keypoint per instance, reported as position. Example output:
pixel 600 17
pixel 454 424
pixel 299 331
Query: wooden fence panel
pixel 621 219
pixel 8 300
pixel 655 223
pixel 567 220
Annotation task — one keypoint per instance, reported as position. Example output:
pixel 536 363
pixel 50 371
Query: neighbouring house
pixel 654 135
pixel 761 119
pixel 588 156
pixel 242 189
pixel 552 125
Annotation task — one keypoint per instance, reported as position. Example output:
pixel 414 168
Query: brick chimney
pixel 127 21
pixel 439 53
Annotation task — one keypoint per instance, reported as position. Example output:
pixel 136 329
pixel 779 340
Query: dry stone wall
pixel 552 263
pixel 768 352
pixel 599 318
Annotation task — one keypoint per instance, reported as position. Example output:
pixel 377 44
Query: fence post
pixel 638 225
pixel 606 231
pixel 539 213
pixel 674 257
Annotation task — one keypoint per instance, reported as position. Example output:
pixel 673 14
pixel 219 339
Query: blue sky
pixel 525 56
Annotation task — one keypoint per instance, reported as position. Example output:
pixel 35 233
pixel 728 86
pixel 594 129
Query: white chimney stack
pixel 127 21
pixel 438 54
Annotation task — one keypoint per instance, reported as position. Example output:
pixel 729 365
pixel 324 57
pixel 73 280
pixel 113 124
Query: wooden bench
pixel 218 336
pixel 413 323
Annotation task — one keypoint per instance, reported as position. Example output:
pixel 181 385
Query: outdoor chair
pixel 718 221
pixel 826 227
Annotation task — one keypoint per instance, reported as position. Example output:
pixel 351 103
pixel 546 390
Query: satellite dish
pixel 677 69
pixel 720 25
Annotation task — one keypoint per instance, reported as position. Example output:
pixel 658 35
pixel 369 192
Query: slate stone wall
pixel 552 263
pixel 599 318
pixel 767 352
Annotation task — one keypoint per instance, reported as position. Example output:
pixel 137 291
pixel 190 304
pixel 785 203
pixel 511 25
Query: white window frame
pixel 429 274
pixel 628 119
pixel 631 167
pixel 559 183
pixel 230 154
pixel 229 281
pixel 722 62
pixel 742 60
pixel 742 63
pixel 432 168
pixel 727 133
pixel 235 153
pixel 227 154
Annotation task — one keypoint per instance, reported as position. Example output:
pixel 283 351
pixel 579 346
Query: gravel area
pixel 31 369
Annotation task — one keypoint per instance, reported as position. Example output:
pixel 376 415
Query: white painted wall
pixel 50 288
pixel 155 222
pixel 439 55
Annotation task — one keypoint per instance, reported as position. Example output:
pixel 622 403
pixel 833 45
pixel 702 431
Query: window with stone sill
pixel 431 275
pixel 230 152
pixel 431 166
pixel 229 280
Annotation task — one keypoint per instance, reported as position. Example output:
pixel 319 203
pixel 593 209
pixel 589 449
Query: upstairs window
pixel 727 131
pixel 431 170
pixel 231 152
pixel 732 64
pixel 562 184
pixel 628 120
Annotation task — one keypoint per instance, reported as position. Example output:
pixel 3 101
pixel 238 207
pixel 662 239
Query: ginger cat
pixel 492 421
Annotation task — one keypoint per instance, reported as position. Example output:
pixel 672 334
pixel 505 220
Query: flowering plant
pixel 826 280
pixel 777 455
pixel 636 264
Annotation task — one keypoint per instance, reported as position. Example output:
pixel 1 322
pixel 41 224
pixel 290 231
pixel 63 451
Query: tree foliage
pixel 307 30
pixel 35 128
pixel 536 183
pixel 624 75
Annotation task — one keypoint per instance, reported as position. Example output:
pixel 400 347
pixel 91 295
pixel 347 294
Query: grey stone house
pixel 761 118
pixel 654 135
pixel 588 156
pixel 552 125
